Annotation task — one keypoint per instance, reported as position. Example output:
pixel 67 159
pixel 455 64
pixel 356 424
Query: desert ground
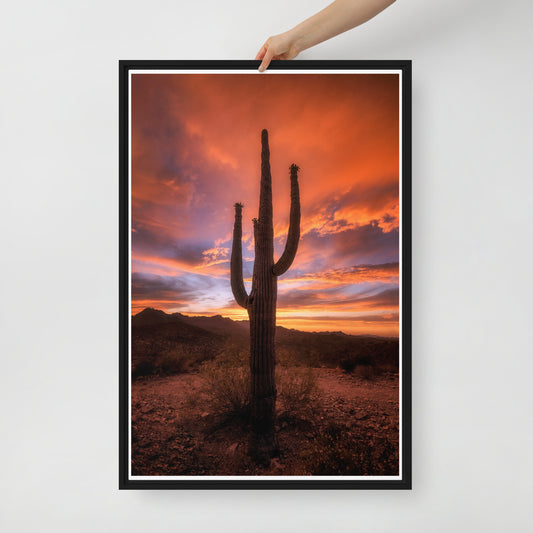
pixel 337 410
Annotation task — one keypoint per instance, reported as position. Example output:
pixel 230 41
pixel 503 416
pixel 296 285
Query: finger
pixel 261 52
pixel 266 60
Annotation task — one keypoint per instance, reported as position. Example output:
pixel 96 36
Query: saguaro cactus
pixel 261 303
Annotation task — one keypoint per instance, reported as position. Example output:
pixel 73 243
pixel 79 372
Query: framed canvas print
pixel 265 275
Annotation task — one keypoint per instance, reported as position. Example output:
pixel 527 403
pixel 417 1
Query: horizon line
pixel 199 315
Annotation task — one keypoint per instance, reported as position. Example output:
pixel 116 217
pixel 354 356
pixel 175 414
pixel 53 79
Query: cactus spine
pixel 261 303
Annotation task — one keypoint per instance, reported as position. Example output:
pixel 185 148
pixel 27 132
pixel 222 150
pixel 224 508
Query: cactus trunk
pixel 262 312
pixel 261 304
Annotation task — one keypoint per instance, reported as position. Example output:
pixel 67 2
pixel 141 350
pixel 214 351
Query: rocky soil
pixel 348 427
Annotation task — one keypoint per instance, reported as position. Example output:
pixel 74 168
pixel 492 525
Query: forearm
pixel 338 17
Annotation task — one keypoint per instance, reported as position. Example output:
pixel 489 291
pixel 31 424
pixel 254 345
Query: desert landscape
pixel 337 408
pixel 265 276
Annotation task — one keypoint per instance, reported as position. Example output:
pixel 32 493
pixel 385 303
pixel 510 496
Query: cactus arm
pixel 237 283
pixel 291 246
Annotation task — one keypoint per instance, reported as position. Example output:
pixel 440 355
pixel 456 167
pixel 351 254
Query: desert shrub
pixel 286 357
pixel 348 364
pixel 144 367
pixel 367 372
pixel 298 393
pixel 169 361
pixel 174 361
pixel 338 451
pixel 296 356
pixel 365 360
pixel 363 366
pixel 227 384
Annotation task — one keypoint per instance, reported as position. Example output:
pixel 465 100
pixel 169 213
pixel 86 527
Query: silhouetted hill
pixel 155 333
pixel 228 327
pixel 166 344
pixel 151 317
pixel 218 324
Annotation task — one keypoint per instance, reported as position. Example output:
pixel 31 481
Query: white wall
pixel 472 289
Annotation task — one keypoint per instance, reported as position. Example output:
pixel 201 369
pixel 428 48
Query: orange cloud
pixel 195 152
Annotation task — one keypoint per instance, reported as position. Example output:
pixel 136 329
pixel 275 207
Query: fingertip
pixel 269 54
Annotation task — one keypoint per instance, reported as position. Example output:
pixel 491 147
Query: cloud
pixel 216 254
pixel 196 151
pixel 358 205
pixel 195 138
pixel 147 242
pixel 386 272
pixel 367 243
pixel 387 299
pixel 336 298
pixel 166 288
pixel 392 317
pixel 387 326
pixel 186 292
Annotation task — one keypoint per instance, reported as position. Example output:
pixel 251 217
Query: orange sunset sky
pixel 195 148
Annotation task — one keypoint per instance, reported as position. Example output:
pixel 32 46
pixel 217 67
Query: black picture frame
pixel 125 481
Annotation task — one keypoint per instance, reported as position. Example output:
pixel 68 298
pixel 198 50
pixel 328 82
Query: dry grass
pixel 345 451
pixel 226 388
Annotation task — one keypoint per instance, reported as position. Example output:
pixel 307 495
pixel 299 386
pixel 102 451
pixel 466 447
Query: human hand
pixel 282 46
pixel 338 17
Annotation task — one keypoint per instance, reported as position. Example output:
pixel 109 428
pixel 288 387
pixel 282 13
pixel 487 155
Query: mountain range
pixel 212 333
